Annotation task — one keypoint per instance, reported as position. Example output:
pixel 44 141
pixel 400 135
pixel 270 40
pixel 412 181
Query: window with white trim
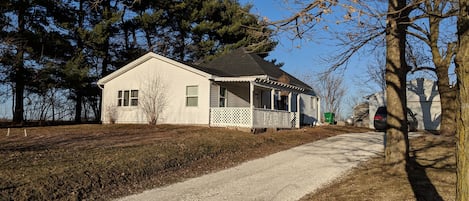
pixel 313 103
pixel 127 98
pixel 134 98
pixel 222 99
pixel 119 98
pixel 192 96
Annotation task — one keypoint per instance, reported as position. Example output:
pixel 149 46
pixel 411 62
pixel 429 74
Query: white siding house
pixel 199 95
pixel 311 110
pixel 423 100
pixel 177 78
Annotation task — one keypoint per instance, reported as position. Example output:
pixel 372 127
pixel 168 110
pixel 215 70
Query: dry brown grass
pixel 430 176
pixel 99 162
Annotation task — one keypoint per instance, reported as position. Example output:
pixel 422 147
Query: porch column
pixel 251 95
pixel 272 97
pixel 251 102
pixel 298 110
pixel 319 110
pixel 289 101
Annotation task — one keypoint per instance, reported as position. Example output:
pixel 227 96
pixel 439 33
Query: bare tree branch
pixel 421 30
pixel 331 91
pixel 355 47
pixel 153 99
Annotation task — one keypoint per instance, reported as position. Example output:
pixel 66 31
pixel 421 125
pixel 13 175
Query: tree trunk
pixel 442 63
pixel 19 79
pixel 78 105
pixel 397 143
pixel 19 88
pixel 448 106
pixel 462 70
pixel 80 46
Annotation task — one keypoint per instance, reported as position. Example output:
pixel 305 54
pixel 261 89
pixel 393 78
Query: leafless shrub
pixel 111 111
pixel 154 98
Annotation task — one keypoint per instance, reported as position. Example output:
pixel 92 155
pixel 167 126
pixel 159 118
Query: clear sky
pixel 305 57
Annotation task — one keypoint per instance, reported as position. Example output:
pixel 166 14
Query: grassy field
pixel 431 175
pixel 100 162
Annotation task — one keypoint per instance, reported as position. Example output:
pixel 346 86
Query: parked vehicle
pixel 382 113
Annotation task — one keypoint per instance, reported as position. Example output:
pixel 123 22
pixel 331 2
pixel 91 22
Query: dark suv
pixel 380 119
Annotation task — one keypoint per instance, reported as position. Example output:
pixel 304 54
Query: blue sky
pixel 305 57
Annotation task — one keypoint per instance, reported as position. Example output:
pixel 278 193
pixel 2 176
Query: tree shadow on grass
pixel 422 186
pixel 419 164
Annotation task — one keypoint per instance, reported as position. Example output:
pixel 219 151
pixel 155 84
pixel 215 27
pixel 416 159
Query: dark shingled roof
pixel 241 63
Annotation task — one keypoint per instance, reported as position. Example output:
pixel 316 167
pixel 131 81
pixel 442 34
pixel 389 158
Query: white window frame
pixel 313 102
pixel 127 98
pixel 133 97
pixel 222 100
pixel 194 96
pixel 120 98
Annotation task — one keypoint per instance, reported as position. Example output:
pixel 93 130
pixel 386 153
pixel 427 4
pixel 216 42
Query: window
pixel 134 98
pixel 192 98
pixel 222 101
pixel 119 98
pixel 313 103
pixel 127 98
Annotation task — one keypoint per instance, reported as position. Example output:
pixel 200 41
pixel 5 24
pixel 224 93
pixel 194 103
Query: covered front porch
pixel 254 102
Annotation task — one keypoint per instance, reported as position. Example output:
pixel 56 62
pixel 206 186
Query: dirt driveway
pixel 287 175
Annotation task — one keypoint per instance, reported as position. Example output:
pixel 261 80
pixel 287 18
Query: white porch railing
pixel 258 118
pixel 230 116
pixel 264 118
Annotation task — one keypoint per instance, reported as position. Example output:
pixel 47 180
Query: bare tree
pixel 442 45
pixel 332 92
pixel 424 27
pixel 462 66
pixel 153 97
pixel 373 79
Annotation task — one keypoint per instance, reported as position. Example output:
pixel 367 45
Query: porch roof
pixel 262 79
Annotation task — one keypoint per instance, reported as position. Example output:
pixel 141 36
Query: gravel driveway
pixel 287 175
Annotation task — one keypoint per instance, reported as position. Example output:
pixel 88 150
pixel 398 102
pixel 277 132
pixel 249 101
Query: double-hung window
pixel 222 100
pixel 127 98
pixel 133 97
pixel 313 103
pixel 192 96
pixel 119 98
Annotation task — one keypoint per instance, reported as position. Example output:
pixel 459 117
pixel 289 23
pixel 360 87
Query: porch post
pixel 251 101
pixel 289 101
pixel 298 110
pixel 272 97
pixel 319 109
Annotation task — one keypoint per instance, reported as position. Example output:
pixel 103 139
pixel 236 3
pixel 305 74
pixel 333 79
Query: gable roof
pixel 146 57
pixel 241 63
pixel 237 63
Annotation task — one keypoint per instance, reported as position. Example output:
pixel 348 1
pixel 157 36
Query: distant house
pixel 360 115
pixel 423 100
pixel 238 89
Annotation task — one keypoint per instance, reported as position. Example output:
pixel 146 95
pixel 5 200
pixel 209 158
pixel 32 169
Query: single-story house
pixel 423 100
pixel 238 89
